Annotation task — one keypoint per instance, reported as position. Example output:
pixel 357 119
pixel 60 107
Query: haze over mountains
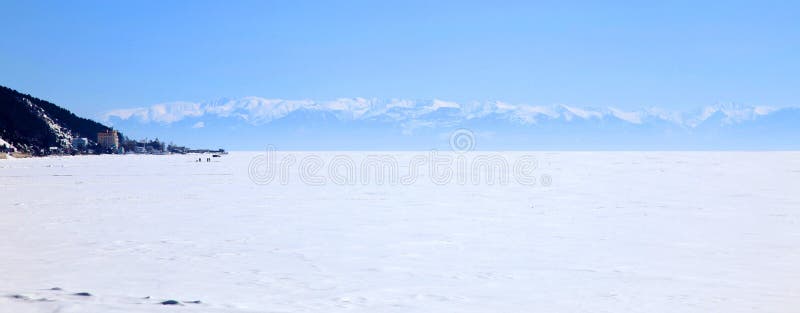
pixel 396 124
pixel 252 123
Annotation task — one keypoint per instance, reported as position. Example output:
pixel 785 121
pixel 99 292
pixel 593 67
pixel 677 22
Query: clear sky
pixel 96 56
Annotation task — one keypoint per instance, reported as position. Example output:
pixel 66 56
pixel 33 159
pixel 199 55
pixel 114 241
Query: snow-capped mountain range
pixel 359 123
pixel 256 111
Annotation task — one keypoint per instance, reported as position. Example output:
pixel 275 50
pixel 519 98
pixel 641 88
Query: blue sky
pixel 94 57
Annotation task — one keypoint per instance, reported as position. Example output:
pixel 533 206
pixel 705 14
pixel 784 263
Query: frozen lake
pixel 612 232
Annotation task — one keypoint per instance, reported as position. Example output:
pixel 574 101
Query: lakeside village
pixel 109 142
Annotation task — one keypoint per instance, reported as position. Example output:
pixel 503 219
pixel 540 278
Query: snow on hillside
pixel 6 143
pixel 614 232
pixel 64 135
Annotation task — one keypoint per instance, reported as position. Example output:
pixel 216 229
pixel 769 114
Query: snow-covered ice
pixel 614 232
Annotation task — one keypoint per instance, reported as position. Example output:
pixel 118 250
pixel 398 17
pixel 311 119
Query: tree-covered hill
pixel 31 124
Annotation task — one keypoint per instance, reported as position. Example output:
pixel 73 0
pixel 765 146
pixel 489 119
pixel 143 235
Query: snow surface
pixel 615 232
